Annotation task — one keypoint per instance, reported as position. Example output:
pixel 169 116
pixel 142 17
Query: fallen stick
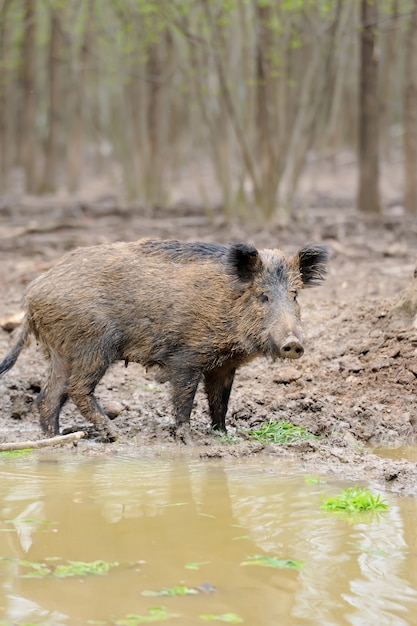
pixel 59 440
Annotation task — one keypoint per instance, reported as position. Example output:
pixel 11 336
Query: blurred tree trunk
pixel 49 181
pixel 226 101
pixel 368 200
pixel 334 120
pixel 26 132
pixel 4 84
pixel 198 69
pixel 390 52
pixel 133 152
pixel 154 70
pixel 315 103
pixel 410 116
pixel 76 131
pixel 267 139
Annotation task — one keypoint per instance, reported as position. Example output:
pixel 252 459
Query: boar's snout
pixel 291 349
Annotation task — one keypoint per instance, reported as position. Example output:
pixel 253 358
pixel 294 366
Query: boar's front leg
pixel 218 385
pixel 184 387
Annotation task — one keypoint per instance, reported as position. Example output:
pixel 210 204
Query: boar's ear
pixel 244 262
pixel 312 262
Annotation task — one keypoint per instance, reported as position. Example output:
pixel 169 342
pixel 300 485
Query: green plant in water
pixel 227 618
pixel 79 568
pixel 195 565
pixel 280 432
pixel 179 590
pixel 71 568
pixel 155 614
pixel 313 480
pixel 272 561
pixel 41 525
pixel 37 570
pixel 354 500
pixel 14 453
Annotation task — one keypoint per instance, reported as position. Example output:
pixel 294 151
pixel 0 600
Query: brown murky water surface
pixel 190 523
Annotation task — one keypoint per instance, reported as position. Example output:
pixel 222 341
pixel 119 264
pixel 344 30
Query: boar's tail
pixel 21 339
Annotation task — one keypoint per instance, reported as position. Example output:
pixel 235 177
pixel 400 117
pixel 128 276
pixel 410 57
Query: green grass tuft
pixel 80 568
pixel 354 500
pixel 14 453
pixel 280 432
pixel 225 438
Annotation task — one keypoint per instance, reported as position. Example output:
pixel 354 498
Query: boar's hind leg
pixel 218 384
pixel 52 398
pixel 80 389
pixel 92 411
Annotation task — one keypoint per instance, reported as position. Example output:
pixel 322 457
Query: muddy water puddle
pixel 408 453
pixel 94 540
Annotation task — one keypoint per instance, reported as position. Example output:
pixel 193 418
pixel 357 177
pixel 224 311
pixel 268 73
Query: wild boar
pixel 192 311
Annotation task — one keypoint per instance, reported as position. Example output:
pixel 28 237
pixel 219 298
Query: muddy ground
pixel 355 387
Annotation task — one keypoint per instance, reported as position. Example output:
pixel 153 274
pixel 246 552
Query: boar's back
pixel 181 251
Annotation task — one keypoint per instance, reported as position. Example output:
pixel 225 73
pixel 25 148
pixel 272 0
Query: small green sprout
pixel 354 500
pixel 195 565
pixel 272 561
pixel 155 614
pixel 71 568
pixel 226 618
pixel 280 432
pixel 37 570
pixel 179 590
pixel 225 438
pixel 313 480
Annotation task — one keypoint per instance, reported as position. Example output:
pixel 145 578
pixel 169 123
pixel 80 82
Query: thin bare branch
pixel 59 440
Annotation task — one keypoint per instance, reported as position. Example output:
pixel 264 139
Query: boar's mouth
pixel 272 349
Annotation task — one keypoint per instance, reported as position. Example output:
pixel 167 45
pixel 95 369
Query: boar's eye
pixel 263 297
pixel 294 294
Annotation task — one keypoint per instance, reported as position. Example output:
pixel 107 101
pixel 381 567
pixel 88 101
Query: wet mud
pixel 355 387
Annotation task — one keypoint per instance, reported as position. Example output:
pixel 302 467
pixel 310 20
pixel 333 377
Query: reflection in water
pixel 353 578
pixel 379 591
pixel 156 517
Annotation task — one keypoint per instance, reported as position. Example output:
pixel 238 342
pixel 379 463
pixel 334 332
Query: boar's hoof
pixel 291 349
pixel 183 434
pixel 92 432
pixel 104 434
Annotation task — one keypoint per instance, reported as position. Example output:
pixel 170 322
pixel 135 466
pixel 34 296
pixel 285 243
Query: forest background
pixel 237 97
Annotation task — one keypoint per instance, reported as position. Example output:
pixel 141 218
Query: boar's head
pixel 267 283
